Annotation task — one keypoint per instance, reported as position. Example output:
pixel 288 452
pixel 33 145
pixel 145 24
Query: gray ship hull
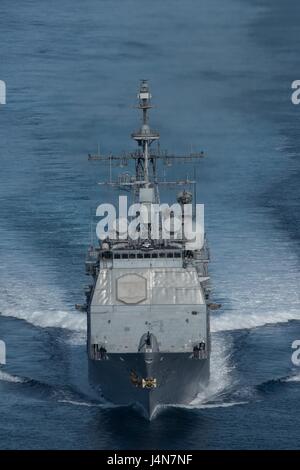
pixel 179 378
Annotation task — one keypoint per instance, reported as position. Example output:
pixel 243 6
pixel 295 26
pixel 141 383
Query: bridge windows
pixel 151 255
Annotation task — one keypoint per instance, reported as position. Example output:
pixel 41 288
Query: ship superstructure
pixel 147 305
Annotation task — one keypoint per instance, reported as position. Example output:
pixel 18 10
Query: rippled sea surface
pixel 220 74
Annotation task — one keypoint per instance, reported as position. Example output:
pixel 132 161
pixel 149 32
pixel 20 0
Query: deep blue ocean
pixel 220 74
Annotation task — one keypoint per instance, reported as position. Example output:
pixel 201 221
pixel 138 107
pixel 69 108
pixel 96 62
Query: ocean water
pixel 220 74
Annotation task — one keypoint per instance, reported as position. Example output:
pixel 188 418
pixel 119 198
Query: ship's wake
pixel 222 379
pixel 49 318
pixel 233 320
pixel 293 378
pixel 205 406
pixel 33 294
pixel 41 390
pixel 6 377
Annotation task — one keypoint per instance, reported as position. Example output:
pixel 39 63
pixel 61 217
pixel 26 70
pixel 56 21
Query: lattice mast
pixel 145 158
pixel 146 163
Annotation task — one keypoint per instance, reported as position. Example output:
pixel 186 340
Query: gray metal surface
pixel 179 379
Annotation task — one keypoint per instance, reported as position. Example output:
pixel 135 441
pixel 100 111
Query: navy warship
pixel 148 332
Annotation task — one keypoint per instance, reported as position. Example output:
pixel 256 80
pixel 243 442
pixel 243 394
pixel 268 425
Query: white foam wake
pixel 221 374
pixel 6 377
pixel 293 378
pixel 79 403
pixel 33 295
pixel 213 405
pixel 236 321
pixel 50 318
pixel 103 405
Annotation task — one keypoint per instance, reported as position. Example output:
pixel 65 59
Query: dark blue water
pixel 220 74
